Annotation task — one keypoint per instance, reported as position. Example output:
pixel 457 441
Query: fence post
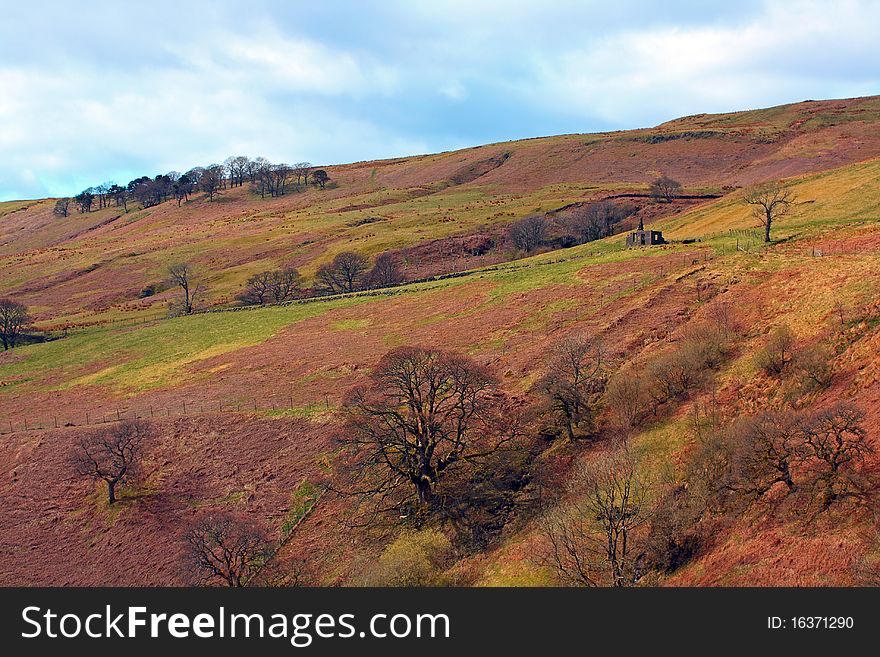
pixel 117 415
pixel 151 410
pixel 184 407
pixel 56 421
pixel 87 418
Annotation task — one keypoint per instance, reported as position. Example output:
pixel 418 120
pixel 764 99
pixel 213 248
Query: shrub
pixel 414 559
pixel 628 398
pixel 777 353
pixel 812 364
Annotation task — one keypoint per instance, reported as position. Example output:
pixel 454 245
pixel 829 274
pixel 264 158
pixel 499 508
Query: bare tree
pixel 258 288
pixel 212 180
pixel 275 286
pixel 529 233
pixel 183 275
pixel 302 170
pixel 628 398
pixel 285 284
pixel 14 318
pixel 574 382
pixel 597 220
pixel 769 202
pixel 593 537
pixel 344 274
pixel 225 550
pixel 665 189
pixel 61 207
pixel 385 272
pixel 765 449
pixel 835 447
pixel 112 454
pixel 424 412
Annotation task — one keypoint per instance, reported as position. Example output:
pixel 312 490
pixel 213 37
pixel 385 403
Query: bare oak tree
pixel 593 538
pixel 835 447
pixel 574 382
pixel 344 274
pixel 385 272
pixel 112 454
pixel 212 179
pixel 225 550
pixel 769 202
pixel 14 319
pixel 424 412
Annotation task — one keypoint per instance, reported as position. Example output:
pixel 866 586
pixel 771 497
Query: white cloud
pixel 786 53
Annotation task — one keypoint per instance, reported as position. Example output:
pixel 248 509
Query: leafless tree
pixel 112 454
pixel 14 318
pixel 284 284
pixel 236 168
pixel 225 550
pixel 211 180
pixel 769 202
pixel 258 288
pixel 61 208
pixel 574 382
pixel 593 537
pixel 385 272
pixel 424 412
pixel 835 447
pixel 302 170
pixel 597 220
pixel 765 449
pixel 529 233
pixel 183 275
pixel 344 274
pixel 665 189
pixel 628 398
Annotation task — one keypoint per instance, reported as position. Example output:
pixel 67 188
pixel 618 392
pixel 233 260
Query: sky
pixel 109 91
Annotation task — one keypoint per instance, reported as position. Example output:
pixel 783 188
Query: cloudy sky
pixel 122 89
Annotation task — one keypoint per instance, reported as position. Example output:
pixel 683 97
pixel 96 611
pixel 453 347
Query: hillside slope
pixel 92 268
pixel 244 401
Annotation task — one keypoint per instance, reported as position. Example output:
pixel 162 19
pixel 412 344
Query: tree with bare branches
pixel 424 412
pixel 212 179
pixel 385 272
pixel 14 318
pixel 225 550
pixel 665 189
pixel 112 454
pixel 592 538
pixel 835 447
pixel 183 275
pixel 574 381
pixel 344 274
pixel 257 289
pixel 528 233
pixel 770 201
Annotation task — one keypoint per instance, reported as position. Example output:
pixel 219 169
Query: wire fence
pixel 283 406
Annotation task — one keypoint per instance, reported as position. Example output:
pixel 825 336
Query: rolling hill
pixel 244 400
